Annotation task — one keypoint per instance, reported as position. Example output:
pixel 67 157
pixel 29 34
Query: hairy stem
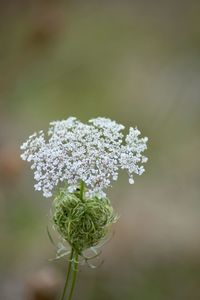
pixel 81 190
pixel 75 269
pixel 68 274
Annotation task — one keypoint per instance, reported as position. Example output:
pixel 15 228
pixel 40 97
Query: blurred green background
pixel 137 62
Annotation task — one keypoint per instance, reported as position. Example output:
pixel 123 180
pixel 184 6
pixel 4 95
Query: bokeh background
pixel 137 62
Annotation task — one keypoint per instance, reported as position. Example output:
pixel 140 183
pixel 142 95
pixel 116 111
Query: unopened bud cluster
pixel 82 222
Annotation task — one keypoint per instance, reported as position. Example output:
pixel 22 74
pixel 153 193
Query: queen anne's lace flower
pixel 92 153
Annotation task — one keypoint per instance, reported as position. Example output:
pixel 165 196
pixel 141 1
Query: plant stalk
pixel 81 190
pixel 75 270
pixel 68 274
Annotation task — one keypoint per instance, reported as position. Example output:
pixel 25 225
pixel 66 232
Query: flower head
pixel 92 153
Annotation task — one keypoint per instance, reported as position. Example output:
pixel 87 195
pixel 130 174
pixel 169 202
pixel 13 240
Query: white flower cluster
pixel 92 153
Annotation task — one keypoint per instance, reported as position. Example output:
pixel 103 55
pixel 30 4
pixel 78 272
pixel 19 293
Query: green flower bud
pixel 83 223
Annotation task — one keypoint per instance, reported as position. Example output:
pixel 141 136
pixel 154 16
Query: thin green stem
pixel 75 270
pixel 81 190
pixel 68 274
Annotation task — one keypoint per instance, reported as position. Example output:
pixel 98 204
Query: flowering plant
pixel 80 161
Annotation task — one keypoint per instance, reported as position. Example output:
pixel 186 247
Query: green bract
pixel 82 222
